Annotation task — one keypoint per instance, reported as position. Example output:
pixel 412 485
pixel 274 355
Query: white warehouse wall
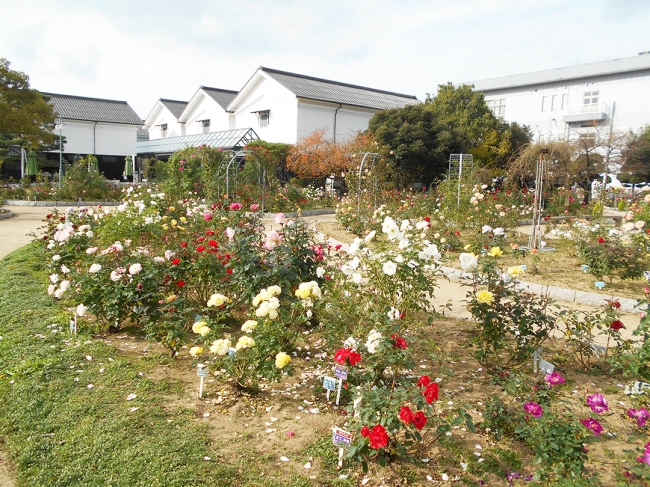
pixel 205 109
pixel 109 139
pixel 161 116
pixel 268 94
pixel 313 115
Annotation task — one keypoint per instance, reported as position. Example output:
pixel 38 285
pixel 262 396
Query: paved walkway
pixel 14 231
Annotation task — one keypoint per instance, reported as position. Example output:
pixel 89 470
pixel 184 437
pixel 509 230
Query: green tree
pixel 416 141
pixel 26 118
pixel 475 129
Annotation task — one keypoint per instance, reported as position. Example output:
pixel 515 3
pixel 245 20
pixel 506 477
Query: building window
pixel 264 118
pixel 554 103
pixel 590 101
pixel 545 103
pixel 498 107
pixel 163 129
pixel 205 124
pixel 565 101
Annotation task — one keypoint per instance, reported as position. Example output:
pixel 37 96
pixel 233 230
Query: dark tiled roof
pixel 93 109
pixel 333 91
pixel 174 106
pixel 222 97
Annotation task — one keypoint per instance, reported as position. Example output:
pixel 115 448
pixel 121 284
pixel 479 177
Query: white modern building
pixel 285 107
pixel 106 128
pixel 566 102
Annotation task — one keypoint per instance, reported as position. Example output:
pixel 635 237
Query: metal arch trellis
pixel 238 158
pixel 369 159
pixel 235 163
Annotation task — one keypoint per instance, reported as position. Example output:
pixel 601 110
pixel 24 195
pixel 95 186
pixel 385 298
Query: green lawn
pixel 60 432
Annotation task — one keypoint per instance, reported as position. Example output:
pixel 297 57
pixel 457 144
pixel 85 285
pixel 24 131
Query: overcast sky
pixel 140 51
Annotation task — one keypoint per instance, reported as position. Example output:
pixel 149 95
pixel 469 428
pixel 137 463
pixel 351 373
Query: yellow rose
pixel 172 208
pixel 245 342
pixel 174 223
pixel 165 227
pixel 220 347
pixel 198 325
pixel 281 360
pixel 183 219
pixel 249 326
pixel 303 293
pixel 496 252
pixel 196 351
pixel 485 297
pixel 515 271
pixel 217 300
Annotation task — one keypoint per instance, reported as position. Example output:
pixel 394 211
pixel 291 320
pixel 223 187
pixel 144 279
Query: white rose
pixel 135 269
pixel 468 262
pixel 390 268
pixel 356 278
pixel 81 310
pixel 95 268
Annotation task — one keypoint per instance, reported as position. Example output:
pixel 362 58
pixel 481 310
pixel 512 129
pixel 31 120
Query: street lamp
pixel 60 126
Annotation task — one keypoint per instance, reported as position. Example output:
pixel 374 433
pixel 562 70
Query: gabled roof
pixel 319 89
pixel 227 139
pixel 174 106
pixel 614 66
pixel 222 97
pixel 93 109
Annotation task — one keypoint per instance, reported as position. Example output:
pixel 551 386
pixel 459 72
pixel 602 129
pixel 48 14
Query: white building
pixel 163 120
pixel 106 128
pixel 565 102
pixel 285 107
pixel 207 111
pixel 204 113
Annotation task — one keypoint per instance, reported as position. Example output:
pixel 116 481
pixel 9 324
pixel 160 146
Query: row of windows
pixel 589 101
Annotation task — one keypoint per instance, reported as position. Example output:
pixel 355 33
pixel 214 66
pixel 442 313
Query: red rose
pixel 176 261
pixel 200 248
pixel 378 437
pixel 431 393
pixel 601 240
pixel 405 414
pixel 213 244
pixel 347 354
pixel 229 271
pixel 354 358
pixel 49 216
pixel 209 233
pixel 398 341
pixel 201 239
pixel 427 219
pixel 183 244
pixel 424 381
pixel 419 420
pixel 180 283
pixel 365 432
pixel 616 304
pixel 341 355
pixel 617 325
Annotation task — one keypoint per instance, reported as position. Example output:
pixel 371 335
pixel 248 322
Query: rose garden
pixel 295 334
